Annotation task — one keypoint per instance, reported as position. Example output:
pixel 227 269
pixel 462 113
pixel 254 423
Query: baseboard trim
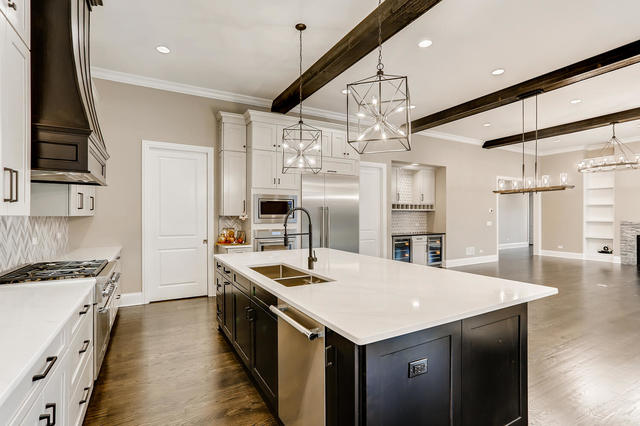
pixel 453 263
pixel 131 299
pixel 579 256
pixel 506 246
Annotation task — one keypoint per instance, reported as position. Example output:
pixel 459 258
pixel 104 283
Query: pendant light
pixel 532 184
pixel 623 157
pixel 378 110
pixel 301 143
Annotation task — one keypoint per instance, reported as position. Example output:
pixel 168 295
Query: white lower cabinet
pixel 57 389
pixel 55 199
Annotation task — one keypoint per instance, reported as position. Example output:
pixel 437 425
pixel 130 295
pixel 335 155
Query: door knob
pixel 205 241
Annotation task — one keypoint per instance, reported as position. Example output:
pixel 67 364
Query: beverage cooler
pixel 435 249
pixel 402 249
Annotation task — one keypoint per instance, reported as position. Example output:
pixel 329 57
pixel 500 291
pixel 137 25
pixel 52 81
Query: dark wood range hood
pixel 66 140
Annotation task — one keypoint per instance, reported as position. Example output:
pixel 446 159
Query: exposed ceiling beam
pixel 617 58
pixel 360 41
pixel 564 129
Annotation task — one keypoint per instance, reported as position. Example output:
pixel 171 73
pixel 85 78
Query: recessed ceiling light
pixel 498 71
pixel 575 101
pixel 555 140
pixel 415 164
pixel 425 43
pixel 487 124
pixel 412 107
pixel 163 49
pixel 346 92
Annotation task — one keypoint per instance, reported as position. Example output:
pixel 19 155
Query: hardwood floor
pixel 169 365
pixel 584 343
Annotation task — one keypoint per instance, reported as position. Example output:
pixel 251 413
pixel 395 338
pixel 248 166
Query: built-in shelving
pixel 599 214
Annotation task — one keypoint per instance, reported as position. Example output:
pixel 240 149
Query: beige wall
pixel 470 177
pixel 129 114
pixel 562 212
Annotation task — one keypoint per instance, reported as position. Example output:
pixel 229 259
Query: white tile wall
pixel 18 235
pixel 408 222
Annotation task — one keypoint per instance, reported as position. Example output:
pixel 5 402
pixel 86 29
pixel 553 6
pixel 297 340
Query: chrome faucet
pixel 312 254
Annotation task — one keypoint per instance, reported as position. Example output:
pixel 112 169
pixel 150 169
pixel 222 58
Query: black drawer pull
pixel 84 310
pixel 85 346
pixel 50 361
pixel 47 417
pixel 85 396
pixel 225 270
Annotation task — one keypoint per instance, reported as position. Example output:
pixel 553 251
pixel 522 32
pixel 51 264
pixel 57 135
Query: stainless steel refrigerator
pixel 333 203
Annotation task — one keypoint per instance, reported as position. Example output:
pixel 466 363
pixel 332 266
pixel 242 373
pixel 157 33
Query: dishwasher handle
pixel 311 334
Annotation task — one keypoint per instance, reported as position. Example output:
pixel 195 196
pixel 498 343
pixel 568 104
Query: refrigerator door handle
pixel 328 228
pixel 324 230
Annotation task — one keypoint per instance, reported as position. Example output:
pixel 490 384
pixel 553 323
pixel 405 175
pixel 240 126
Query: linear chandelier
pixel 622 158
pixel 532 185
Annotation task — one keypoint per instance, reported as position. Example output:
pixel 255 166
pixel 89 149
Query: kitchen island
pixel 403 343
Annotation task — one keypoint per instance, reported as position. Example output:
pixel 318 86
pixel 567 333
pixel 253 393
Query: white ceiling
pixel 250 47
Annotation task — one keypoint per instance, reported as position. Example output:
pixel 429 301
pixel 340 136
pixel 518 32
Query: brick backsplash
pixel 17 234
pixel 408 222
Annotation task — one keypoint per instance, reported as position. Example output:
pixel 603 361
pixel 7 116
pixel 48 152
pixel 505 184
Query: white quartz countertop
pixel 31 316
pixel 373 299
pixel 91 253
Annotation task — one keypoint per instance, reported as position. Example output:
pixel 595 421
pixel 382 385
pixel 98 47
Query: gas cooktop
pixel 45 271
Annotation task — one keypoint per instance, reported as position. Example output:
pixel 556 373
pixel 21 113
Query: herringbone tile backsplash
pixel 31 239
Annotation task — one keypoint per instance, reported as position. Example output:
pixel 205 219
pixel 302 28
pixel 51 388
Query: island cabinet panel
pixel 227 308
pixel 414 379
pixel 494 365
pixel 242 325
pixel 265 352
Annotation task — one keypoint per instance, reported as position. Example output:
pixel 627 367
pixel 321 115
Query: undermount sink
pixel 288 276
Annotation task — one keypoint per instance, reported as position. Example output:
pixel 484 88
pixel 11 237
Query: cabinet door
pixel 418 187
pixel 395 195
pixel 340 148
pixel 78 200
pixel 429 187
pixel 285 180
pixel 242 314
pixel 90 200
pixel 263 136
pixel 263 169
pixel 18 14
pixel 234 137
pixel 326 143
pixel 265 352
pixel 227 308
pixel 16 123
pixel 49 406
pixel 234 183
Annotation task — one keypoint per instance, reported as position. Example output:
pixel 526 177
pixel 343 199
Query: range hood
pixel 66 141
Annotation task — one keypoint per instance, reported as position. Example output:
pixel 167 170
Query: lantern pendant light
pixel 378 110
pixel 301 143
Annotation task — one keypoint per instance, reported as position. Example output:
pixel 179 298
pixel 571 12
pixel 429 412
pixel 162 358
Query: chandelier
pixel 532 184
pixel 378 110
pixel 621 159
pixel 301 143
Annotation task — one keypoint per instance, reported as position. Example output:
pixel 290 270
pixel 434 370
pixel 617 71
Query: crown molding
pixel 188 89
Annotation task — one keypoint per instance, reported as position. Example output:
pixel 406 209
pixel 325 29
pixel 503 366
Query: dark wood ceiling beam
pixel 564 129
pixel 360 41
pixel 617 58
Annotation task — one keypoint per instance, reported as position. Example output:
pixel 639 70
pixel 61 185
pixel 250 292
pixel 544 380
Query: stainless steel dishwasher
pixel 300 367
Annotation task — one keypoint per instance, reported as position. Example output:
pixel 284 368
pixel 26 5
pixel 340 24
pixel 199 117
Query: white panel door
pixel 176 235
pixel 371 205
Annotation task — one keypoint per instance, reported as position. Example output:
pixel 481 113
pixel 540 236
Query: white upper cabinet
pixel 341 149
pixel 82 200
pixel 263 136
pixel 234 136
pixel 233 168
pixel 18 14
pixel 263 169
pixel 15 136
pixel 57 199
pixel 285 180
pixel 424 187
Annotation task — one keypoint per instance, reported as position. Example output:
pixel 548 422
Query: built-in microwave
pixel 270 208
